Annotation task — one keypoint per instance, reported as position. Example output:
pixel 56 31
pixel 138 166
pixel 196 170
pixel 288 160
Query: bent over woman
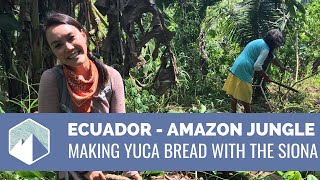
pixel 239 81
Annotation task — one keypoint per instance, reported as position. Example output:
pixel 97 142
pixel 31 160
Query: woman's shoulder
pixel 257 41
pixel 49 82
pixel 113 73
pixel 262 43
pixel 258 44
pixel 50 74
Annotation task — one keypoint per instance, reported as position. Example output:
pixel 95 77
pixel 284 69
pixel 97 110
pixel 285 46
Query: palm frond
pixel 254 18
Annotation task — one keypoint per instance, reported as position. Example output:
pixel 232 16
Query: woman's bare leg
pixel 233 105
pixel 247 107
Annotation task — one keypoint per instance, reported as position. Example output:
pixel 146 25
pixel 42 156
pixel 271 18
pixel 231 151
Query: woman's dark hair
pixel 273 38
pixel 53 19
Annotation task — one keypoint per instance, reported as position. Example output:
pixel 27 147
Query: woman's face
pixel 68 44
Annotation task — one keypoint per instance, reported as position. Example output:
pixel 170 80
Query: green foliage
pixel 292 5
pixel 8 23
pixel 141 101
pixel 8 175
pixel 290 175
pixel 140 96
pixel 2 99
pixel 25 104
pixel 311 177
pixel 148 174
pixel 309 39
pixel 28 175
pixel 36 174
pixel 196 92
pixel 252 19
pixel 1 110
pixel 298 175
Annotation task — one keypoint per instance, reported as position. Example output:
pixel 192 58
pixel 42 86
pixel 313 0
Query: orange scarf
pixel 81 90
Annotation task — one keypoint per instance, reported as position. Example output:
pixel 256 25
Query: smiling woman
pixel 81 83
pixel 69 45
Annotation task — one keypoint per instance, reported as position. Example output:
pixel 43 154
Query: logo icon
pixel 29 141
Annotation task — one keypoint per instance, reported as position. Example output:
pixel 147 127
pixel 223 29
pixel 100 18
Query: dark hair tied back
pixel 102 70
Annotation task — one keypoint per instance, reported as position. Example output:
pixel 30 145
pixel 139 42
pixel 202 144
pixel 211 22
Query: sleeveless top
pixel 243 66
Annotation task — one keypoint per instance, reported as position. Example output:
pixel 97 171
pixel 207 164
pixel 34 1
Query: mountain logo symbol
pixel 29 141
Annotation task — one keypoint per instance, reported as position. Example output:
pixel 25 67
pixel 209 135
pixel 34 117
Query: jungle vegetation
pixel 174 56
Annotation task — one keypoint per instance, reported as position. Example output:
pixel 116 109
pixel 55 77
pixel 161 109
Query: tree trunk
pixel 297 55
pixel 36 46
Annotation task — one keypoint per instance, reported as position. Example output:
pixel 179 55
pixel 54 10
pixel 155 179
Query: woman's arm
pixel 118 99
pixel 260 60
pixel 282 68
pixel 48 96
pixel 259 63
